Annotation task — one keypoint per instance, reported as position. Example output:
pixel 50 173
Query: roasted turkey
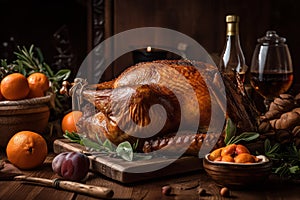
pixel 163 104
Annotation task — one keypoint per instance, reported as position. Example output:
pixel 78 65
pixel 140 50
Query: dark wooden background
pixel 35 22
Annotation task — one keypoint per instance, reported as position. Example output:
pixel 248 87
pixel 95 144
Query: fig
pixel 241 149
pixel 71 165
pixel 228 150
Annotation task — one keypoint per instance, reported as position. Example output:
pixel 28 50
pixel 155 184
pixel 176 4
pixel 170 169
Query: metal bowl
pixel 23 115
pixel 238 175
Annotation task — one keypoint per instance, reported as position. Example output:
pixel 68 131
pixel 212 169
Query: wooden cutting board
pixel 124 171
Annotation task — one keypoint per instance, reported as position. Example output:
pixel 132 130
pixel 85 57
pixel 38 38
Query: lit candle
pixel 148 49
pixel 148 54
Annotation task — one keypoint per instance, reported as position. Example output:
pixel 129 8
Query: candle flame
pixel 148 49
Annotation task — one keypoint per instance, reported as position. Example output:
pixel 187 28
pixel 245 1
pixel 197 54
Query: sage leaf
pixel 230 131
pixel 141 156
pixel 125 151
pixel 108 145
pixel 90 144
pixel 267 145
pixel 246 136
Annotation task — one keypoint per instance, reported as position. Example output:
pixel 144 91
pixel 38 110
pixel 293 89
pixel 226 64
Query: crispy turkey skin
pixel 154 100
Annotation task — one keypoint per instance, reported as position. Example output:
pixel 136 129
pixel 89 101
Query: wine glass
pixel 271 72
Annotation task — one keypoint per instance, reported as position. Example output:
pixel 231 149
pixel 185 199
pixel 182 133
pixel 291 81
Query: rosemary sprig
pixel 286 159
pixel 31 60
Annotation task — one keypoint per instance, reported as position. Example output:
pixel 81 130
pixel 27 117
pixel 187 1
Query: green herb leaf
pixel 294 169
pixel 61 75
pixel 247 136
pixel 108 145
pixel 73 137
pixel 138 156
pixel 99 140
pixel 135 145
pixel 125 151
pixel 230 131
pixel 90 144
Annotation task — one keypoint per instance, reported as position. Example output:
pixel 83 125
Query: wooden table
pixel 184 187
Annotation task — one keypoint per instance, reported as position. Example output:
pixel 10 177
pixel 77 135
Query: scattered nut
pixel 225 192
pixel 201 191
pixel 166 190
pixel 296 131
pixel 286 96
pixel 264 127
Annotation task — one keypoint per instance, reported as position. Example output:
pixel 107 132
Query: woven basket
pixel 23 115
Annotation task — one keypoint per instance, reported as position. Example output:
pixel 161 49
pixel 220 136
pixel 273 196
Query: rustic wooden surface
pixel 184 187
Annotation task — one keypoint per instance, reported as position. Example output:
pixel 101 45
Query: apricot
pixel 218 158
pixel 241 149
pixel 215 154
pixel 244 158
pixel 228 150
pixel 227 158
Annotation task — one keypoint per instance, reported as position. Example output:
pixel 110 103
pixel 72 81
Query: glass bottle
pixel 232 62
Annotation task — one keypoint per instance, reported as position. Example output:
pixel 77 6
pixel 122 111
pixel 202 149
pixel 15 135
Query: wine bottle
pixel 232 62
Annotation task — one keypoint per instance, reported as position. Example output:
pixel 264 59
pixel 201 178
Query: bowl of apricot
pixel 235 167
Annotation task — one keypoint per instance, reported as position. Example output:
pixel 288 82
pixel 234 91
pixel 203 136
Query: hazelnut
pixel 166 190
pixel 225 192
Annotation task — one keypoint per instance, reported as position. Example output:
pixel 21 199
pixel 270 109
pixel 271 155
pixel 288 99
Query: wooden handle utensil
pixel 90 190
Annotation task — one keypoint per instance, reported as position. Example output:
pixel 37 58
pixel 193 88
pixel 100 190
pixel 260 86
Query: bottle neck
pixel 232 29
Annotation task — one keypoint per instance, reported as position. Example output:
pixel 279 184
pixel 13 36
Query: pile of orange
pixel 27 150
pixel 16 86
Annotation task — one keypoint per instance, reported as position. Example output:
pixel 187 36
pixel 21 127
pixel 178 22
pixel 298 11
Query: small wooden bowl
pixel 238 175
pixel 23 115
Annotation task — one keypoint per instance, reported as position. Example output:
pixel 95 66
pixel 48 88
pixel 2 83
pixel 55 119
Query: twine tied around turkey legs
pixel 74 90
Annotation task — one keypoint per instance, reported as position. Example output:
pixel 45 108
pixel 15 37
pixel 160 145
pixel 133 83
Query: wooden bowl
pixel 238 175
pixel 23 115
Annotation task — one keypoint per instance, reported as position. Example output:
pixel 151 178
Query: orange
pixel 35 92
pixel 38 84
pixel 14 86
pixel 70 120
pixel 27 150
pixel 1 96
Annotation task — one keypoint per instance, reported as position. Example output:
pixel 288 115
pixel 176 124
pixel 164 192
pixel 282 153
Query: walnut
pixel 288 120
pixel 271 114
pixel 264 127
pixel 296 131
pixel 282 121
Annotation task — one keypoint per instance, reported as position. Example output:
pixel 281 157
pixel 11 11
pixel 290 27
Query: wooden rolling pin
pixel 90 190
